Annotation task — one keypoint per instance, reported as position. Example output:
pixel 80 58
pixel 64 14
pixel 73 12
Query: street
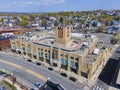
pixel 69 85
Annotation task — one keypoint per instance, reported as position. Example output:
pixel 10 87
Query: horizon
pixel 61 11
pixel 38 6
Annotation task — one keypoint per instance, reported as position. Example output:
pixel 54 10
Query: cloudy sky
pixel 56 5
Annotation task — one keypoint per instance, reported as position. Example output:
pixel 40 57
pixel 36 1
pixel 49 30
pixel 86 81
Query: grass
pixel 12 87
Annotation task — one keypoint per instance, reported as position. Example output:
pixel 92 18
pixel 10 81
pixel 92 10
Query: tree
pixel 23 17
pixel 24 23
pixel 32 16
pixel 108 20
pixel 1 19
pixel 94 17
pixel 61 20
pixel 69 21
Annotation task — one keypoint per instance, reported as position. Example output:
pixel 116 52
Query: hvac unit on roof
pixel 96 51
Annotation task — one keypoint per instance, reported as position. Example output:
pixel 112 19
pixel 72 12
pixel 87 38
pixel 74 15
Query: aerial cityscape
pixel 59 45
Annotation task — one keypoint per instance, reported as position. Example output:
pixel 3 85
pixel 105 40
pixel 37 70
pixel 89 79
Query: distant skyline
pixel 57 5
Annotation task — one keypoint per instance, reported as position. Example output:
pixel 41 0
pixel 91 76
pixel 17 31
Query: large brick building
pixel 63 50
pixel 5 42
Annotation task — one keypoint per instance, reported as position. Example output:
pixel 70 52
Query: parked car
pixel 63 74
pixel 38 85
pixel 72 79
pixel 29 60
pixel 37 63
pixel 51 69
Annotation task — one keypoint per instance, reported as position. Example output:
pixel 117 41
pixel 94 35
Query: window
pixel 66 56
pixel 13 42
pixel 62 60
pixel 72 57
pixel 66 62
pixel 77 59
pixel 24 49
pixel 61 55
pixel 39 53
pixel 71 63
pixel 76 65
pixel 48 51
pixel 45 55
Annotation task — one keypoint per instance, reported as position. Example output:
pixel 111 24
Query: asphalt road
pixel 68 85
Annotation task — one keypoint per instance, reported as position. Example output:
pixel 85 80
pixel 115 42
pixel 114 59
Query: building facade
pixel 4 43
pixel 62 51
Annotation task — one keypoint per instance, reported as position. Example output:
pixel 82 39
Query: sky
pixel 57 5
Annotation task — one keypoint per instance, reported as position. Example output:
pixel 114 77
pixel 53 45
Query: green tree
pixel 24 23
pixel 23 17
pixel 94 17
pixel 32 16
pixel 61 19
pixel 69 21
pixel 104 15
pixel 1 19
pixel 108 20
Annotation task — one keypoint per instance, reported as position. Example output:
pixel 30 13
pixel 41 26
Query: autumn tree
pixel 1 19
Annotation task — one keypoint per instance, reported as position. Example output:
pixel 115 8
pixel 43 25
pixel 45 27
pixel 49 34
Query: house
pixel 112 30
pixel 113 22
pixel 95 23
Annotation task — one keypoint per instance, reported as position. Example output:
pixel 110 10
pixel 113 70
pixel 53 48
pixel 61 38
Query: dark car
pixel 51 69
pixel 38 63
pixel 29 60
pixel 63 74
pixel 72 79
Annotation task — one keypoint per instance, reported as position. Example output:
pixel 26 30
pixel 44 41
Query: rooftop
pixel 4 37
pixel 80 42
pixel 92 56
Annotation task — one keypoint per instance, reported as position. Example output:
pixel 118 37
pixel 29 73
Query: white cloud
pixel 39 2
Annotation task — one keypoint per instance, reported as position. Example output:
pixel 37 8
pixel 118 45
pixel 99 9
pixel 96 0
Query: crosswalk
pixel 97 88
pixel 100 86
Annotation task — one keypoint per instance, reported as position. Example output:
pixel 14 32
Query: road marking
pixel 24 69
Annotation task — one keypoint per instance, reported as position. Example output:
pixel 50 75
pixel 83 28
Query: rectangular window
pixel 66 62
pixel 62 61
pixel 71 63
pixel 24 49
pixel 72 57
pixel 45 55
pixel 66 56
pixel 77 59
pixel 62 55
pixel 48 51
pixel 76 65
pixel 13 42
